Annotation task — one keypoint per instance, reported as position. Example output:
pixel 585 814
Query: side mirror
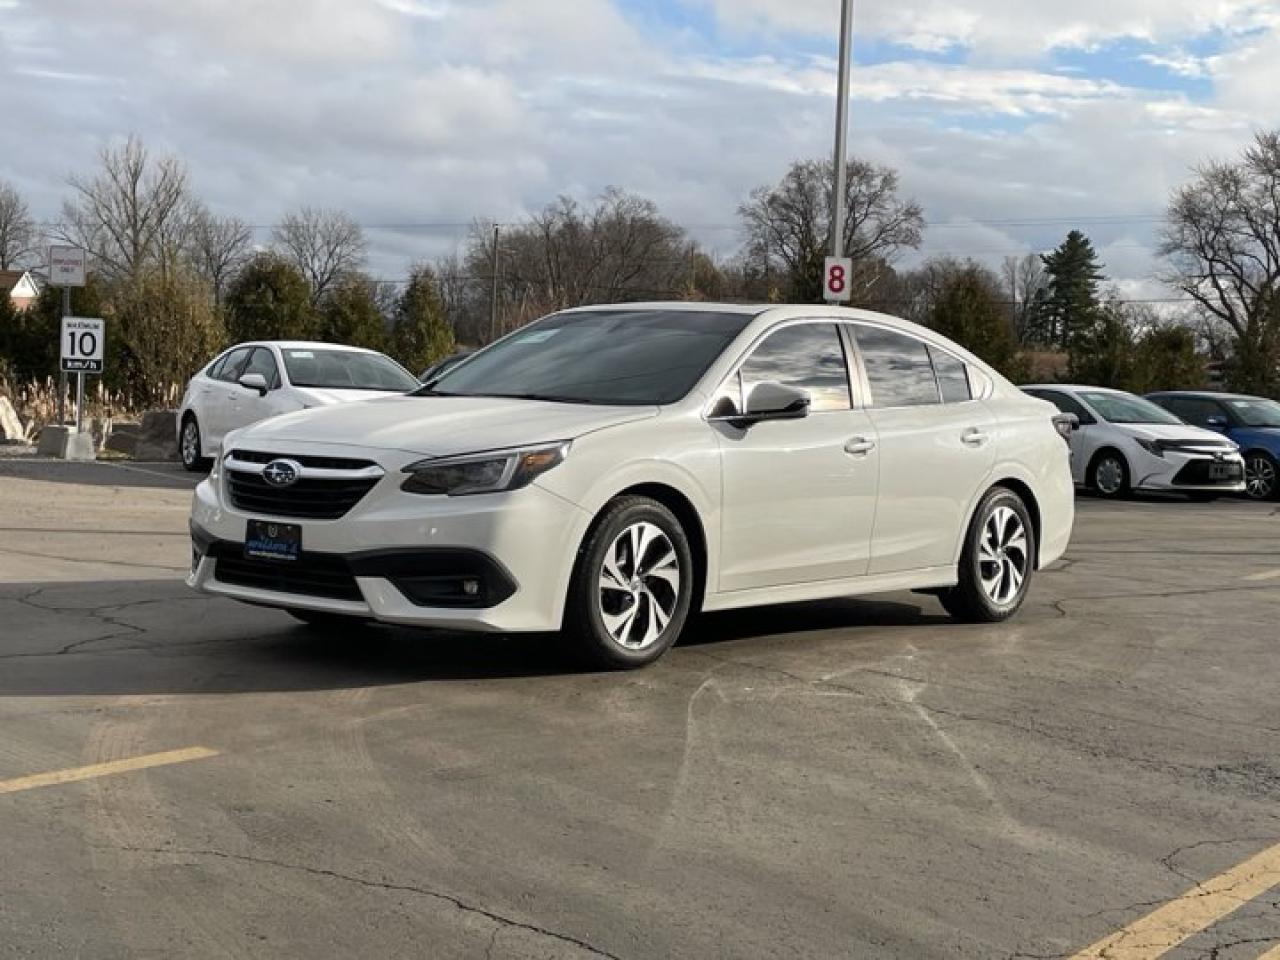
pixel 1216 423
pixel 255 381
pixel 767 401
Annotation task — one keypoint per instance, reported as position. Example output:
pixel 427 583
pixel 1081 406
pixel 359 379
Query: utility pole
pixel 493 295
pixel 842 128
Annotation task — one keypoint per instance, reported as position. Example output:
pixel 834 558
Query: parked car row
pixel 1203 444
pixel 611 471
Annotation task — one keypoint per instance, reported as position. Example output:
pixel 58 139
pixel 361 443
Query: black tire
pixel 1258 466
pixel 191 455
pixel 1107 488
pixel 585 628
pixel 328 623
pixel 969 600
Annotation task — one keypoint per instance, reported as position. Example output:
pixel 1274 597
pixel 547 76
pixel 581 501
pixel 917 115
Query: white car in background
pixel 1125 443
pixel 608 471
pixel 253 381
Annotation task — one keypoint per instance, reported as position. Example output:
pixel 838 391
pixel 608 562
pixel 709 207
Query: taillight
pixel 1066 424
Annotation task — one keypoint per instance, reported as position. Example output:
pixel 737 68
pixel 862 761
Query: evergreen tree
pixel 349 314
pixel 270 300
pixel 1073 272
pixel 968 310
pixel 422 333
pixel 1102 348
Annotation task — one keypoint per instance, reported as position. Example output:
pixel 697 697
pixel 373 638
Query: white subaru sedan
pixel 609 471
pixel 253 381
pixel 1124 443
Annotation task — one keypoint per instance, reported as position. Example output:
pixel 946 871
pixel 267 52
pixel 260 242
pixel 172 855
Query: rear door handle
pixel 973 437
pixel 859 446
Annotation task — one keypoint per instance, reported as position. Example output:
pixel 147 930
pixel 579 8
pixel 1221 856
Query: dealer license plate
pixel 1224 471
pixel 268 540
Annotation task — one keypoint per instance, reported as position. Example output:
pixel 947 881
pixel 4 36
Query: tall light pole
pixel 842 128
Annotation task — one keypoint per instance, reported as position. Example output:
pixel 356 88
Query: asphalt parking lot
pixel 187 776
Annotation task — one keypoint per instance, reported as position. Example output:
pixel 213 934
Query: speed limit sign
pixel 837 276
pixel 82 341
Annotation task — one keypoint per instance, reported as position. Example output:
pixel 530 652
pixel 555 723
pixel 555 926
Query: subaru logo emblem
pixel 282 473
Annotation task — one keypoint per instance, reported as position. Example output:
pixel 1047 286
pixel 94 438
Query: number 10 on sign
pixel 837 277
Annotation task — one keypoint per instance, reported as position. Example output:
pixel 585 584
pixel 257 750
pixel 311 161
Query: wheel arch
pixel 1028 498
pixel 690 520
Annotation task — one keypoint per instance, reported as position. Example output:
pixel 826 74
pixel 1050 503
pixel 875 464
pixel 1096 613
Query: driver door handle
pixel 973 437
pixel 859 446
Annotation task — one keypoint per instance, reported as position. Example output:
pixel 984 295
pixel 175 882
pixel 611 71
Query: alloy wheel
pixel 190 443
pixel 1109 476
pixel 639 585
pixel 1003 555
pixel 1259 477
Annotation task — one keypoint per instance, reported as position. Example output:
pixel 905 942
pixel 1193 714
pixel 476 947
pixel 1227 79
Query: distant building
pixel 19 286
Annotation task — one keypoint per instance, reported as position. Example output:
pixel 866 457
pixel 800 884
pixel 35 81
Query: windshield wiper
pixel 547 397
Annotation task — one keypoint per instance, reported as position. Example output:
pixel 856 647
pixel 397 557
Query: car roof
pixel 1213 394
pixel 300 345
pixel 1071 386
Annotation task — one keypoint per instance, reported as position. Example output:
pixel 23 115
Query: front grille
pixel 1196 474
pixel 310 498
pixel 321 463
pixel 311 575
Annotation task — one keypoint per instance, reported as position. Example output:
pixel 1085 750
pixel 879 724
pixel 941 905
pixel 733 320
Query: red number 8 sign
pixel 836 279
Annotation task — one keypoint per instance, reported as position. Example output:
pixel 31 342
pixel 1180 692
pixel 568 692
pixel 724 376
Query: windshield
pixel 346 370
pixel 629 357
pixel 1126 408
pixel 1256 412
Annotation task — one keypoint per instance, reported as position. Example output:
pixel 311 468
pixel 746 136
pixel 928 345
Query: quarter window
pixel 807 356
pixel 953 376
pixel 899 371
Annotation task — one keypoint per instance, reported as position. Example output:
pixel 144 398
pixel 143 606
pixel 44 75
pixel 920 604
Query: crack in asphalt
pixel 102 613
pixel 504 922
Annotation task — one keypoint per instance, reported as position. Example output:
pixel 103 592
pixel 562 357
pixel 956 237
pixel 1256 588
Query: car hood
pixel 1174 431
pixel 327 396
pixel 440 426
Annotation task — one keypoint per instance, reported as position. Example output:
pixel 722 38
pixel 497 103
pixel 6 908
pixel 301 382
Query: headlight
pixel 1154 447
pixel 488 472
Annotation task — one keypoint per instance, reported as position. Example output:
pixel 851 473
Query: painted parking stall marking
pixel 111 768
pixel 1198 909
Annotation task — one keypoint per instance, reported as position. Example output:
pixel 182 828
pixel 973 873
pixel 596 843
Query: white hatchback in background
pixel 1126 443
pixel 608 471
pixel 253 381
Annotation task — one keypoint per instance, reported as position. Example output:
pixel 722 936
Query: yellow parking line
pixel 1199 908
pixel 105 769
pixel 1272 954
pixel 1264 575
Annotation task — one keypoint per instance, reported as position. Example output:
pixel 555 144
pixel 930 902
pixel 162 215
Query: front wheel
pixel 997 562
pixel 1109 475
pixel 1260 475
pixel 632 586
pixel 189 446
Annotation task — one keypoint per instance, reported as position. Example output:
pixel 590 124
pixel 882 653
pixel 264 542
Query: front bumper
pixel 1189 472
pixel 404 558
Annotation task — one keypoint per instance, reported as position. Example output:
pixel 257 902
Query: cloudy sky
pixel 1009 120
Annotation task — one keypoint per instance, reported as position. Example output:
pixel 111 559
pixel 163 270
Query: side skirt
pixel 929 577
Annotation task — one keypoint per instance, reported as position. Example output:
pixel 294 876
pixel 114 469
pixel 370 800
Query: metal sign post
pixel 842 138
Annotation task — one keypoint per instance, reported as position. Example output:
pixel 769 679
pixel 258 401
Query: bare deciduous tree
pixel 133 214
pixel 788 225
pixel 18 234
pixel 323 244
pixel 218 247
pixel 1026 285
pixel 1222 239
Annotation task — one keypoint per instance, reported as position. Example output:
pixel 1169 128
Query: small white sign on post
pixel 82 342
pixel 66 267
pixel 837 277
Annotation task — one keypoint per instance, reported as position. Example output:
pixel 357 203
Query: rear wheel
pixel 1109 475
pixel 189 445
pixel 997 562
pixel 1260 475
pixel 632 586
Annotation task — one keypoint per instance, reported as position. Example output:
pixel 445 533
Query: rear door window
pixel 899 371
pixel 953 376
